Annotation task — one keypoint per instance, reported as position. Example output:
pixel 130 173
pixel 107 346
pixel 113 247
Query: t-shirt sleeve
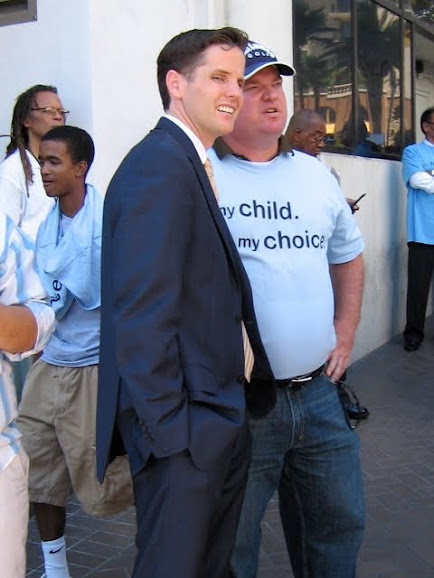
pixel 346 242
pixel 411 163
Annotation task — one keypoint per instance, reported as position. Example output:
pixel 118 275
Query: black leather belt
pixel 300 380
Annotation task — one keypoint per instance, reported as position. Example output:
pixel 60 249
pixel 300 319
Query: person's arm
pixel 353 205
pixel 414 169
pixel 26 320
pixel 422 180
pixel 150 215
pixel 347 281
pixel 25 329
pixel 18 328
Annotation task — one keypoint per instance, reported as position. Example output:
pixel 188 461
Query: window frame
pixel 17 11
pixel 405 18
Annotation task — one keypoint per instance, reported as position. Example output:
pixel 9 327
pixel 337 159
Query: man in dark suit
pixel 175 302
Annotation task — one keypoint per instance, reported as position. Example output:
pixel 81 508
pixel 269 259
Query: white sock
pixel 54 552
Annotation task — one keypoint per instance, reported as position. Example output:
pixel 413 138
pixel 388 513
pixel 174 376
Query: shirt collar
pixel 427 142
pixel 197 143
pixel 222 149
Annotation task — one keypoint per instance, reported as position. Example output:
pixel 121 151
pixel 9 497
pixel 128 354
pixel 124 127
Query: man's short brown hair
pixel 184 52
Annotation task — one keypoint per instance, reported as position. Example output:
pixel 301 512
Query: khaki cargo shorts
pixel 57 417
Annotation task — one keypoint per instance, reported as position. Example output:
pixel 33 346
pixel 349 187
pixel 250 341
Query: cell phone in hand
pixel 359 199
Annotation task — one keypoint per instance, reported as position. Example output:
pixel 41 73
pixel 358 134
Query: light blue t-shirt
pixel 70 248
pixel 289 220
pixel 420 204
pixel 75 342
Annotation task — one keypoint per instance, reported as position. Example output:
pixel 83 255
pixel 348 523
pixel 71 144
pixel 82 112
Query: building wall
pixel 102 57
pixel 101 54
pixel 126 38
pixel 52 50
pixel 382 220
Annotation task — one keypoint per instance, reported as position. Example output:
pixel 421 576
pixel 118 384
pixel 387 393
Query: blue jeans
pixel 305 449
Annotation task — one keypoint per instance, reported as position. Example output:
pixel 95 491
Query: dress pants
pixel 420 270
pixel 187 517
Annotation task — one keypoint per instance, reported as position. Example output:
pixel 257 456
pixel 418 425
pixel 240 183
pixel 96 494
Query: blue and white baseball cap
pixel 259 57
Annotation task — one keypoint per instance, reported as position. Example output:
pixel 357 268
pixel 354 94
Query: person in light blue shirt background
pixel 58 408
pixel 418 175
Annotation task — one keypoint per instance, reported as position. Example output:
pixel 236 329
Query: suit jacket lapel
pixel 217 216
pixel 231 251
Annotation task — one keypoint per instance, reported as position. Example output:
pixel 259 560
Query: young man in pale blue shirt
pixel 58 409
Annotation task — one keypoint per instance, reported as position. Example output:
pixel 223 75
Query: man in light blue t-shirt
pixel 58 408
pixel 302 251
pixel 418 175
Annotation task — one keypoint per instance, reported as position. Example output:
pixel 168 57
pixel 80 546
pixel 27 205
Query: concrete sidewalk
pixel 398 464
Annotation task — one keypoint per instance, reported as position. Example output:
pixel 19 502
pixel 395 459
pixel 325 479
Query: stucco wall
pixel 126 38
pixel 101 55
pixel 53 50
pixel 382 220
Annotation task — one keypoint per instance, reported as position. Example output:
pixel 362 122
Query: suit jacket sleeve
pixel 148 212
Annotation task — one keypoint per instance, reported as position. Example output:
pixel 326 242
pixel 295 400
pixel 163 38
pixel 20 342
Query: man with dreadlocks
pixel 22 195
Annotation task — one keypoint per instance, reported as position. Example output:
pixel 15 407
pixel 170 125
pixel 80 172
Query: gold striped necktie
pixel 249 358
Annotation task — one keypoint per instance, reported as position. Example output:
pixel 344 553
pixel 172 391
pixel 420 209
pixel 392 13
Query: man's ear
pixel 296 136
pixel 81 168
pixel 175 84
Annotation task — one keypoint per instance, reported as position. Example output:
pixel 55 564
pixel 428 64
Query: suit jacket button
pixel 241 379
pixel 238 319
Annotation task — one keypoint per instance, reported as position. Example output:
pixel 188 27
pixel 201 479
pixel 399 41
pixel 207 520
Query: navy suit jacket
pixel 174 292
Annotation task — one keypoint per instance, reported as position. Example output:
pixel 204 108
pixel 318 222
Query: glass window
pixel 378 128
pixel 422 9
pixel 356 70
pixel 408 88
pixel 322 59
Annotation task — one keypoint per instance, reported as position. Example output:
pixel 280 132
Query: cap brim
pixel 283 69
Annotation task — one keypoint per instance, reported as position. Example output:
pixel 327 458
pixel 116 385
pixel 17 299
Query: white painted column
pixel 208 13
pixel 268 22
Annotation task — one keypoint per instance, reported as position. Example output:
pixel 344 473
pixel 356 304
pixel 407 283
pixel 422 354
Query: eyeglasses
pixel 429 122
pixel 318 139
pixel 51 110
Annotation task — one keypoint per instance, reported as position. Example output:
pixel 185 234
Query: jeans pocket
pixel 345 401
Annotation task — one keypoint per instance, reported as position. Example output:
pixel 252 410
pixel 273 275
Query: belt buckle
pixel 298 382
pixel 301 379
